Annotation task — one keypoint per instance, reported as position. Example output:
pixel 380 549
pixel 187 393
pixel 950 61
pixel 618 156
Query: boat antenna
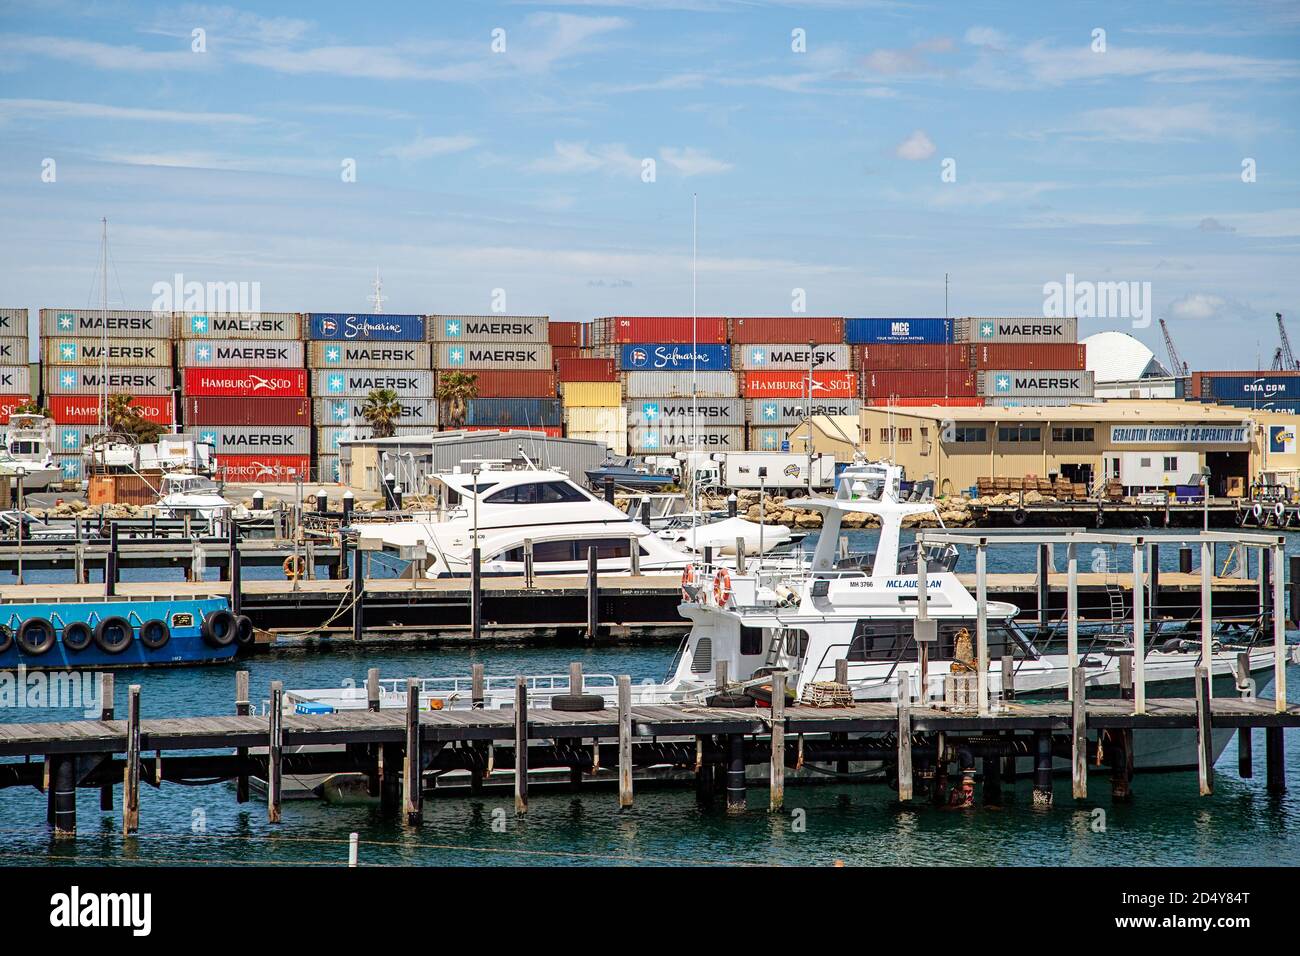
pixel 695 354
pixel 103 324
pixel 377 297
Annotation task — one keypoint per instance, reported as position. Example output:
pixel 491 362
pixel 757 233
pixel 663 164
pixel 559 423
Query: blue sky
pixel 522 169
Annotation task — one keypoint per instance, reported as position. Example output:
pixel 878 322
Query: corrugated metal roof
pixel 1104 411
pixel 1119 357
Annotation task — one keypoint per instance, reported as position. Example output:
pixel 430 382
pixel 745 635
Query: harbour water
pixel 1166 823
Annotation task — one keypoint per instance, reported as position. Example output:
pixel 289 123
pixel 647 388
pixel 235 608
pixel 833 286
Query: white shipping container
pixel 15 380
pixel 1035 383
pixel 507 356
pixel 13 350
pixel 678 384
pixel 714 412
pixel 256 439
pixel 13 323
pixel 327 468
pixel 791 357
pixel 1029 331
pixel 372 354
pixel 792 411
pixel 232 325
pixel 422 412
pixel 119 353
pixel 329 440
pixel 614 439
pixel 240 353
pixel 91 323
pixel 595 419
pixel 497 329
pixel 345 383
pixel 643 441
pixel 86 380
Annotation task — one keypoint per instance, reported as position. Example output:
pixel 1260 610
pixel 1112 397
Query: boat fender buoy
pixel 1019 516
pixel 154 634
pixel 294 567
pixel 1146 521
pixel 1279 510
pixel 688 582
pixel 1257 510
pixel 1101 519
pixel 722 587
pixel 244 631
pixel 35 636
pixel 113 634
pixel 77 635
pixel 219 628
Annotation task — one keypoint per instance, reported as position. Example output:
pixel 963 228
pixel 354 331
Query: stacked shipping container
pixel 510 359
pixel 15 373
pixel 1273 390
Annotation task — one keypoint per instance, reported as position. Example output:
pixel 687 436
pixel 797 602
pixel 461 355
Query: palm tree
pixel 125 417
pixel 32 407
pixel 382 410
pixel 455 389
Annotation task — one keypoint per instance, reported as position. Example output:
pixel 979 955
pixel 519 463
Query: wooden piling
pixel 106 713
pixel 740 555
pixel 412 770
pixel 63 794
pixel 1044 590
pixel 131 771
pixel 1042 768
pixel 274 752
pixel 735 773
pixel 528 563
pixel 358 593
pixel 236 570
pixel 476 593
pixel 904 747
pixel 575 687
pixel 242 708
pixel 776 787
pixel 110 562
pixel 1078 735
pixel 521 745
pixel 841 678
pixel 372 690
pixel 1009 694
pixel 634 555
pixel 1204 733
pixel 478 686
pixel 1245 757
pixel 1274 760
pixel 720 675
pixel 624 741
pixel 593 596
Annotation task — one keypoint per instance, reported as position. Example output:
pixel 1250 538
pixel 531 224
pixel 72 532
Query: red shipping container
pixel 661 330
pixel 551 431
pixel 197 410
pixel 281 469
pixel 788 328
pixel 587 370
pixel 919 383
pixel 84 409
pixel 519 384
pixel 950 402
pixel 564 333
pixel 565 352
pixel 792 384
pixel 240 383
pixel 911 356
pixel 1028 357
pixel 9 402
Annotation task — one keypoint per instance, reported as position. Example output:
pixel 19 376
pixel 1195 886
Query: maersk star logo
pixel 769 412
pixel 769 441
pixel 341 410
pixel 456 356
pixel 332 354
pixel 68 379
pixel 758 356
pixel 203 353
pixel 986 330
pixel 70 469
pixel 208 438
pixel 651 411
pixel 199 324
pixel 65 321
pixel 67 351
pixel 336 383
pixel 1002 383
pixel 453 329
pixel 69 439
pixel 651 440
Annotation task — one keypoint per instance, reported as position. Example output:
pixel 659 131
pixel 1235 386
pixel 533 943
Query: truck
pixel 750 470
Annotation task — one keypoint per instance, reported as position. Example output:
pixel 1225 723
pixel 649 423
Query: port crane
pixel 1283 359
pixel 1178 368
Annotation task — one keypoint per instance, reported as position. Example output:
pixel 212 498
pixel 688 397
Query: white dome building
pixel 1122 367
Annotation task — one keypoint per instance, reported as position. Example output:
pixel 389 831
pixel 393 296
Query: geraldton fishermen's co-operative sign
pixel 1178 434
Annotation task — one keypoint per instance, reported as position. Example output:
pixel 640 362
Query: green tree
pixel 455 389
pixel 126 418
pixel 382 410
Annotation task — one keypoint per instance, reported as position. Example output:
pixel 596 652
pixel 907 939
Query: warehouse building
pixel 1145 444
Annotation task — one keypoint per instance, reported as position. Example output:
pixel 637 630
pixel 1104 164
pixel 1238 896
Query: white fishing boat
pixel 199 497
pixel 28 440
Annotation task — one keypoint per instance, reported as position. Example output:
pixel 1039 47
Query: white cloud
pixel 690 161
pixel 986 37
pixel 426 147
pixel 104 56
pixel 1197 306
pixel 67 108
pixel 364 62
pixel 581 158
pixel 1153 124
pixel 915 147
pixel 1055 65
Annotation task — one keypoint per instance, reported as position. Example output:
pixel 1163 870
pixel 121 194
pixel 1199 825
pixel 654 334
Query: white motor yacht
pixel 198 496
pixel 28 440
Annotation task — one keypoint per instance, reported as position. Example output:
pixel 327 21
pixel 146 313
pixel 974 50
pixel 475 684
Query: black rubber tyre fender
pixel 1101 519
pixel 35 636
pixel 731 699
pixel 577 703
pixel 244 631
pixel 6 637
pixel 113 634
pixel 219 628
pixel 155 633
pixel 77 635
pixel 1145 521
pixel 1019 517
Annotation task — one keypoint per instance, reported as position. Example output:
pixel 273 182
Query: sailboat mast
pixel 103 323
pixel 695 352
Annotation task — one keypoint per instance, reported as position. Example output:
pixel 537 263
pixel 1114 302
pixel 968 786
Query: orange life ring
pixel 722 587
pixel 294 567
pixel 688 581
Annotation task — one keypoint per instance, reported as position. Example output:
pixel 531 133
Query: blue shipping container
pixel 1257 388
pixel 675 358
pixel 361 327
pixel 884 331
pixel 514 412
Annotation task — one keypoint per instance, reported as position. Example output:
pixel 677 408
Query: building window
pixel 905 435
pixel 1171 463
pixel 1020 433
pixel 866 436
pixel 970 433
pixel 1144 462
pixel 1072 434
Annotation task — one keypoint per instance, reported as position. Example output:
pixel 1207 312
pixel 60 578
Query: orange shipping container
pixel 787 328
pixel 587 370
pixel 1028 357
pixel 951 402
pixel 919 383
pixel 910 356
pixel 772 384
pixel 519 384
pixel 564 333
